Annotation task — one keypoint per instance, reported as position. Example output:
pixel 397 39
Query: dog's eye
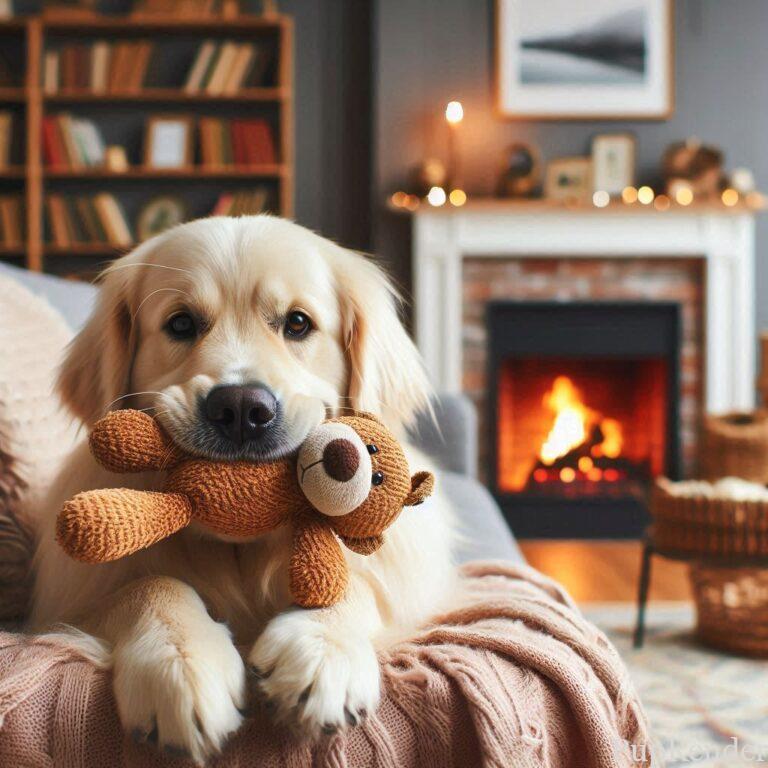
pixel 377 478
pixel 181 327
pixel 372 449
pixel 297 325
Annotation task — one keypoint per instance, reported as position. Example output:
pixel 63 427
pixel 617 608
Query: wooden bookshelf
pixel 29 103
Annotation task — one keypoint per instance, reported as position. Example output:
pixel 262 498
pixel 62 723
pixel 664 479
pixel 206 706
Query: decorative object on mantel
pixel 454 114
pixel 736 444
pixel 521 171
pixel 698 166
pixel 427 174
pixel 557 59
pixel 613 162
pixel 742 180
pixel 569 179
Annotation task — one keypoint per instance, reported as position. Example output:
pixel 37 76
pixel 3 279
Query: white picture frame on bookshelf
pixel 168 142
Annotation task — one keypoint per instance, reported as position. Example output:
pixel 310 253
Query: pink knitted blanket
pixel 513 677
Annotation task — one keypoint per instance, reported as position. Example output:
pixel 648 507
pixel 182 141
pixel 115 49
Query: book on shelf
pixel 11 221
pixel 78 220
pixel 242 203
pixel 239 142
pixel 227 67
pixel 99 67
pixel 6 138
pixel 72 142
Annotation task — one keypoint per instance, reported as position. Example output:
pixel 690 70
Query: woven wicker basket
pixel 736 445
pixel 732 608
pixel 710 527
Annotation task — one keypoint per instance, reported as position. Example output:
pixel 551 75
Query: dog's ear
pixel 386 374
pixel 422 486
pixel 96 368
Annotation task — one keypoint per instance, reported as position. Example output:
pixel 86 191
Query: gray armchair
pixel 451 440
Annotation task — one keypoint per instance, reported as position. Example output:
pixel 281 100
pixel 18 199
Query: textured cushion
pixel 72 299
pixel 35 431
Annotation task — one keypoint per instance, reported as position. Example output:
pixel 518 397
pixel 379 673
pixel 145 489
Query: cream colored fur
pixel 175 667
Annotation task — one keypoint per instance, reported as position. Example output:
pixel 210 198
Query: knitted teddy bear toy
pixel 349 482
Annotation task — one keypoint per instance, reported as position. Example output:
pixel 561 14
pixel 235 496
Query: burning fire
pixel 574 423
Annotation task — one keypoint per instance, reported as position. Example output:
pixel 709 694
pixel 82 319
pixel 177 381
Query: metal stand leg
pixel 642 597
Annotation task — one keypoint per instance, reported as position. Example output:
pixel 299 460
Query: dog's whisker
pixel 150 295
pixel 135 394
pixel 115 267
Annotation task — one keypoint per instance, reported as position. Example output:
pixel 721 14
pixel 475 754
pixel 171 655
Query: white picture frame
pixel 613 162
pixel 605 59
pixel 168 142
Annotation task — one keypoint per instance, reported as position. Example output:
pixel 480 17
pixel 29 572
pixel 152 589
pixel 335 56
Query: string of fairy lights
pixel 681 194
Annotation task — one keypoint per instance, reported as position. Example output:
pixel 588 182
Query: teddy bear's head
pixel 353 470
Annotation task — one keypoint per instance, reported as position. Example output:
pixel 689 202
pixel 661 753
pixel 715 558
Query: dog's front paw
pixel 183 694
pixel 315 674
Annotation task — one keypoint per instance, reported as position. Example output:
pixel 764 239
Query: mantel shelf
pixel 542 206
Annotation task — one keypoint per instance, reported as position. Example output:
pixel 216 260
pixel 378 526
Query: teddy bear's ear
pixel 422 485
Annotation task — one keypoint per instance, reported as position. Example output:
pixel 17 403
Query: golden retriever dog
pixel 239 335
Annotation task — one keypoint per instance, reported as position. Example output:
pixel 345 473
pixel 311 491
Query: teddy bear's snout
pixel 341 459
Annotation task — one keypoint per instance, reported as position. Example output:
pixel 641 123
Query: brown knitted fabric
pixel 239 499
pixel 102 525
pixel 317 571
pixel 132 441
pixel 386 501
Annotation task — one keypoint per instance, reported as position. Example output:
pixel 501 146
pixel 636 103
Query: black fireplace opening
pixel 584 403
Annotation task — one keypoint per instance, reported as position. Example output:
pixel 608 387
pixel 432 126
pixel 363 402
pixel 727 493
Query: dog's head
pixel 240 335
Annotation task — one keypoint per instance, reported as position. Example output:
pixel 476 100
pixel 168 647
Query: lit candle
pixel 454 114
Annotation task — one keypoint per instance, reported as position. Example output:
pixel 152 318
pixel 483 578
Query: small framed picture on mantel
pixel 602 59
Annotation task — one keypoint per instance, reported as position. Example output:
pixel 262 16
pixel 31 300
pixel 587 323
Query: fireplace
pixel 583 413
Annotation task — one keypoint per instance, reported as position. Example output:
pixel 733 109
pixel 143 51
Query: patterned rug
pixel 707 709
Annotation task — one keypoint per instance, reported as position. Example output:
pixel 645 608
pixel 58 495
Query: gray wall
pixel 430 51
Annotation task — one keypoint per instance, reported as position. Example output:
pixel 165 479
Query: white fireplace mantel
pixel 723 238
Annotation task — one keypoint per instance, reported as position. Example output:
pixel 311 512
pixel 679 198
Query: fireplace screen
pixel 584 411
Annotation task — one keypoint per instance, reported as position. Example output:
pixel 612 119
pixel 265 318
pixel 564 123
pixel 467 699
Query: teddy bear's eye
pixel 372 449
pixel 377 478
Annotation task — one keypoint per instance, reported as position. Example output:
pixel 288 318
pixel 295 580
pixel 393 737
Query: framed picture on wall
pixel 603 59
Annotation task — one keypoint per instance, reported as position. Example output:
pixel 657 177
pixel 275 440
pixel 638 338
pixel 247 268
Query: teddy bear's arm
pixel 366 545
pixel 131 441
pixel 318 571
pixel 110 523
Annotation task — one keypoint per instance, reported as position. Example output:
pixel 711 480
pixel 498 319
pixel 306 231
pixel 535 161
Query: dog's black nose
pixel 241 412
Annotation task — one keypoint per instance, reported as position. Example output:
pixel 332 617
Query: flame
pixel 573 424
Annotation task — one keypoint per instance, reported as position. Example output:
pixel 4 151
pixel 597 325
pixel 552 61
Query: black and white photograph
pixel 606 58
